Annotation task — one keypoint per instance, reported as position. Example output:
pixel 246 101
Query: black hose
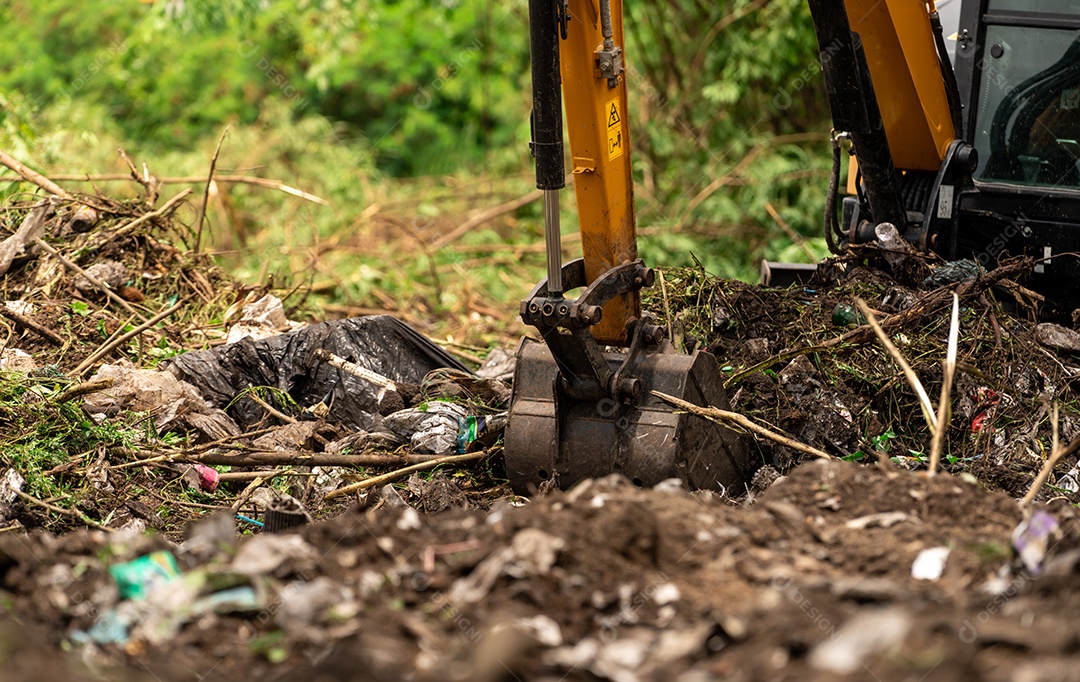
pixel 832 224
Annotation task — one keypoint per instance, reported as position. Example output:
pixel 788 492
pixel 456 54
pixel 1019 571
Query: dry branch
pixel 102 286
pixel 938 438
pixel 194 180
pixel 206 190
pixel 33 177
pixel 401 473
pixel 909 374
pixel 1044 473
pixel 120 340
pixel 22 321
pixel 490 214
pixel 81 389
pixel 73 513
pixel 32 227
pixel 734 418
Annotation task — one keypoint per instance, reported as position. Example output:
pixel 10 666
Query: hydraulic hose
pixel 832 224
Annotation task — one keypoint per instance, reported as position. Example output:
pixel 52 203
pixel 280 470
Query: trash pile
pixel 140 387
pixel 804 361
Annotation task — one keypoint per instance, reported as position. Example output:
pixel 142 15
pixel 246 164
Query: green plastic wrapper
pixel 135 579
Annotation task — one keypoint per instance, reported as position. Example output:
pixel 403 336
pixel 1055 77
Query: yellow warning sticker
pixel 614 143
pixel 615 140
pixel 613 118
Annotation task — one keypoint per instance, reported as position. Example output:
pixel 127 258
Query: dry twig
pixel 401 473
pixel 938 438
pixel 909 374
pixel 120 340
pixel 206 190
pixel 102 286
pixel 734 418
pixel 22 321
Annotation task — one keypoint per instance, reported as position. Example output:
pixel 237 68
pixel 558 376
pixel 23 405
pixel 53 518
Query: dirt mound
pixel 605 581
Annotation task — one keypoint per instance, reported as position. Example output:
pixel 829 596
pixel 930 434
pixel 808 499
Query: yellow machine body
pixel 598 130
pixel 900 53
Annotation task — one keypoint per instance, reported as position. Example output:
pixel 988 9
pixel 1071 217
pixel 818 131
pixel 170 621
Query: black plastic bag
pixel 380 343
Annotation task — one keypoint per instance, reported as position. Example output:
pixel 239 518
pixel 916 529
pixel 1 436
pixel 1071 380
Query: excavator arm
pixel 584 402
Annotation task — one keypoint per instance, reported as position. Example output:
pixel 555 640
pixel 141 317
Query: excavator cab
pixel 968 140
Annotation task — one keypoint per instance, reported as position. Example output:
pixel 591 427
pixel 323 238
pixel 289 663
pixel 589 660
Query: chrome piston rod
pixel 553 240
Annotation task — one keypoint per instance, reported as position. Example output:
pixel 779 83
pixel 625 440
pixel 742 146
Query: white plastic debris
pixel 10 482
pixel 16 360
pixel 259 320
pixel 20 307
pixel 930 563
pixel 667 593
pixel 432 428
pixel 868 632
pixel 265 553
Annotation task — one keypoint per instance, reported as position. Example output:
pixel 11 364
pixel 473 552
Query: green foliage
pixel 429 86
pixel 340 97
pixel 41 434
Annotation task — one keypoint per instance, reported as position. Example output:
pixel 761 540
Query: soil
pixel 605 581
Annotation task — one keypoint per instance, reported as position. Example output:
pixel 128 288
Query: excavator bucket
pixel 551 435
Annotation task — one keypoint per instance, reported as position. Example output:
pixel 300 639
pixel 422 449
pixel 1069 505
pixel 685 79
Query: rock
pixel 109 272
pixel 1056 336
pixel 16 360
pixel 870 631
pixel 264 554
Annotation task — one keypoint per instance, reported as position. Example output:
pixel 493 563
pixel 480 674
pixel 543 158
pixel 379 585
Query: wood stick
pixel 726 417
pixel 266 183
pixel 909 373
pixel 33 177
pixel 938 437
pixel 72 392
pixel 274 412
pixel 21 321
pixel 490 214
pixel 248 475
pixel 109 346
pixel 206 190
pixel 667 308
pixel 248 491
pixel 296 458
pixel 354 369
pixel 72 513
pixel 1044 473
pixel 166 208
pixel 792 235
pixel 401 473
pixel 32 227
pixel 98 284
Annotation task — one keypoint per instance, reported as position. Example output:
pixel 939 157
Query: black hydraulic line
pixel 547 131
pixel 854 108
pixel 606 28
pixel 952 89
pixel 832 224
